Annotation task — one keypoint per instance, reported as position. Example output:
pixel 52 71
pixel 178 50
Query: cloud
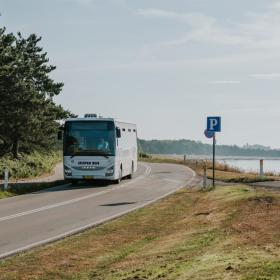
pixel 223 82
pixel 209 34
pixel 88 2
pixel 266 76
pixel 257 31
pixel 193 19
pixel 203 29
pixel 79 2
pixel 158 13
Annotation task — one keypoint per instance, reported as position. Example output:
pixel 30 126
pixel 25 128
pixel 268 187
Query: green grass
pixel 230 232
pixel 6 194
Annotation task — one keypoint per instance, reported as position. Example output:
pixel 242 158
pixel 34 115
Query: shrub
pixel 29 165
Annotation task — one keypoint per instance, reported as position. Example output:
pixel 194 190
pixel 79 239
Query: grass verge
pixel 231 232
pixel 24 188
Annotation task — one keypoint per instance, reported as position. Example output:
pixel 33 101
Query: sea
pixel 253 164
pixel 247 164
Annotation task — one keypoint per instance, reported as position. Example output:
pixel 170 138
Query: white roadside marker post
pixel 6 179
pixel 261 168
pixel 205 177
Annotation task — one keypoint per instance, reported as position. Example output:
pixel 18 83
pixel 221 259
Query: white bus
pixel 99 148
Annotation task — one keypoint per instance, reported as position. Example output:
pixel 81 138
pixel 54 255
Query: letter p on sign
pixel 214 124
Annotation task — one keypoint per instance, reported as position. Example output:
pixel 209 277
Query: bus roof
pixel 98 119
pixel 89 119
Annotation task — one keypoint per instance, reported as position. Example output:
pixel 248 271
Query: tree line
pixel 189 147
pixel 28 113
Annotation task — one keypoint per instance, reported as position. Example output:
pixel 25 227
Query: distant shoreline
pixel 209 157
pixel 195 149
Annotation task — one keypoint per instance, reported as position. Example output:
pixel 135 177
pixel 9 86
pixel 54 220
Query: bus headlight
pixel 67 170
pixel 110 171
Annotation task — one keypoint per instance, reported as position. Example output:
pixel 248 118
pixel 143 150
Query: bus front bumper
pixel 107 176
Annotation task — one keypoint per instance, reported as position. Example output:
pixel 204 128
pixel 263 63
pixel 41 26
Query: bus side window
pixel 118 132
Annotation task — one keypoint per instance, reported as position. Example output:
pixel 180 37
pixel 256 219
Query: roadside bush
pixel 143 155
pixel 29 165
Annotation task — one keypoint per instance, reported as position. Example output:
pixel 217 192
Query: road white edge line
pixel 94 224
pixel 67 202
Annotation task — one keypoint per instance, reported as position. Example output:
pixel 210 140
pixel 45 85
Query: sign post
pixel 204 176
pixel 214 161
pixel 213 126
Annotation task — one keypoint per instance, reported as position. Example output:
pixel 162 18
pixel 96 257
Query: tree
pixel 28 114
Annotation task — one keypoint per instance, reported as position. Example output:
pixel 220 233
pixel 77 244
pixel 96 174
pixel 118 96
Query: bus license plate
pixel 88 177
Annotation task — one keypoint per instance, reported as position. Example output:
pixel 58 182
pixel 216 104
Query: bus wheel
pixel 118 181
pixel 130 176
pixel 74 182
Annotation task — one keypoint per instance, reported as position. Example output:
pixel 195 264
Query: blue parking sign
pixel 214 124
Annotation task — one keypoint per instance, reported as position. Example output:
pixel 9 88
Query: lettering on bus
pixel 88 162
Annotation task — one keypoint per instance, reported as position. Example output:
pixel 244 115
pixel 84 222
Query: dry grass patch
pixel 239 177
pixel 228 233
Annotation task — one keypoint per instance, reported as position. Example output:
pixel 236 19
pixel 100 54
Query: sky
pixel 164 64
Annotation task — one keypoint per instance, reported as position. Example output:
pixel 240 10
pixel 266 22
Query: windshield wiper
pixel 101 154
pixel 73 155
pixel 105 156
pixel 90 153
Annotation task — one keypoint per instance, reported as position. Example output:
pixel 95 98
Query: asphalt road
pixel 34 219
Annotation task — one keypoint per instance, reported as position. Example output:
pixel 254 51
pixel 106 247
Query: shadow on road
pixel 118 204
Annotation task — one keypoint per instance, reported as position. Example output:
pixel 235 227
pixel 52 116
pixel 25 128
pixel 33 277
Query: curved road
pixel 34 219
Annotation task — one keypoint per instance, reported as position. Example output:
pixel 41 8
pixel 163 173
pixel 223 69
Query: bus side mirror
pixel 118 132
pixel 59 135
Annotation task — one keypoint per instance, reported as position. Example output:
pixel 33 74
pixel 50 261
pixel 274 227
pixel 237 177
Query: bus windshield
pixel 89 138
